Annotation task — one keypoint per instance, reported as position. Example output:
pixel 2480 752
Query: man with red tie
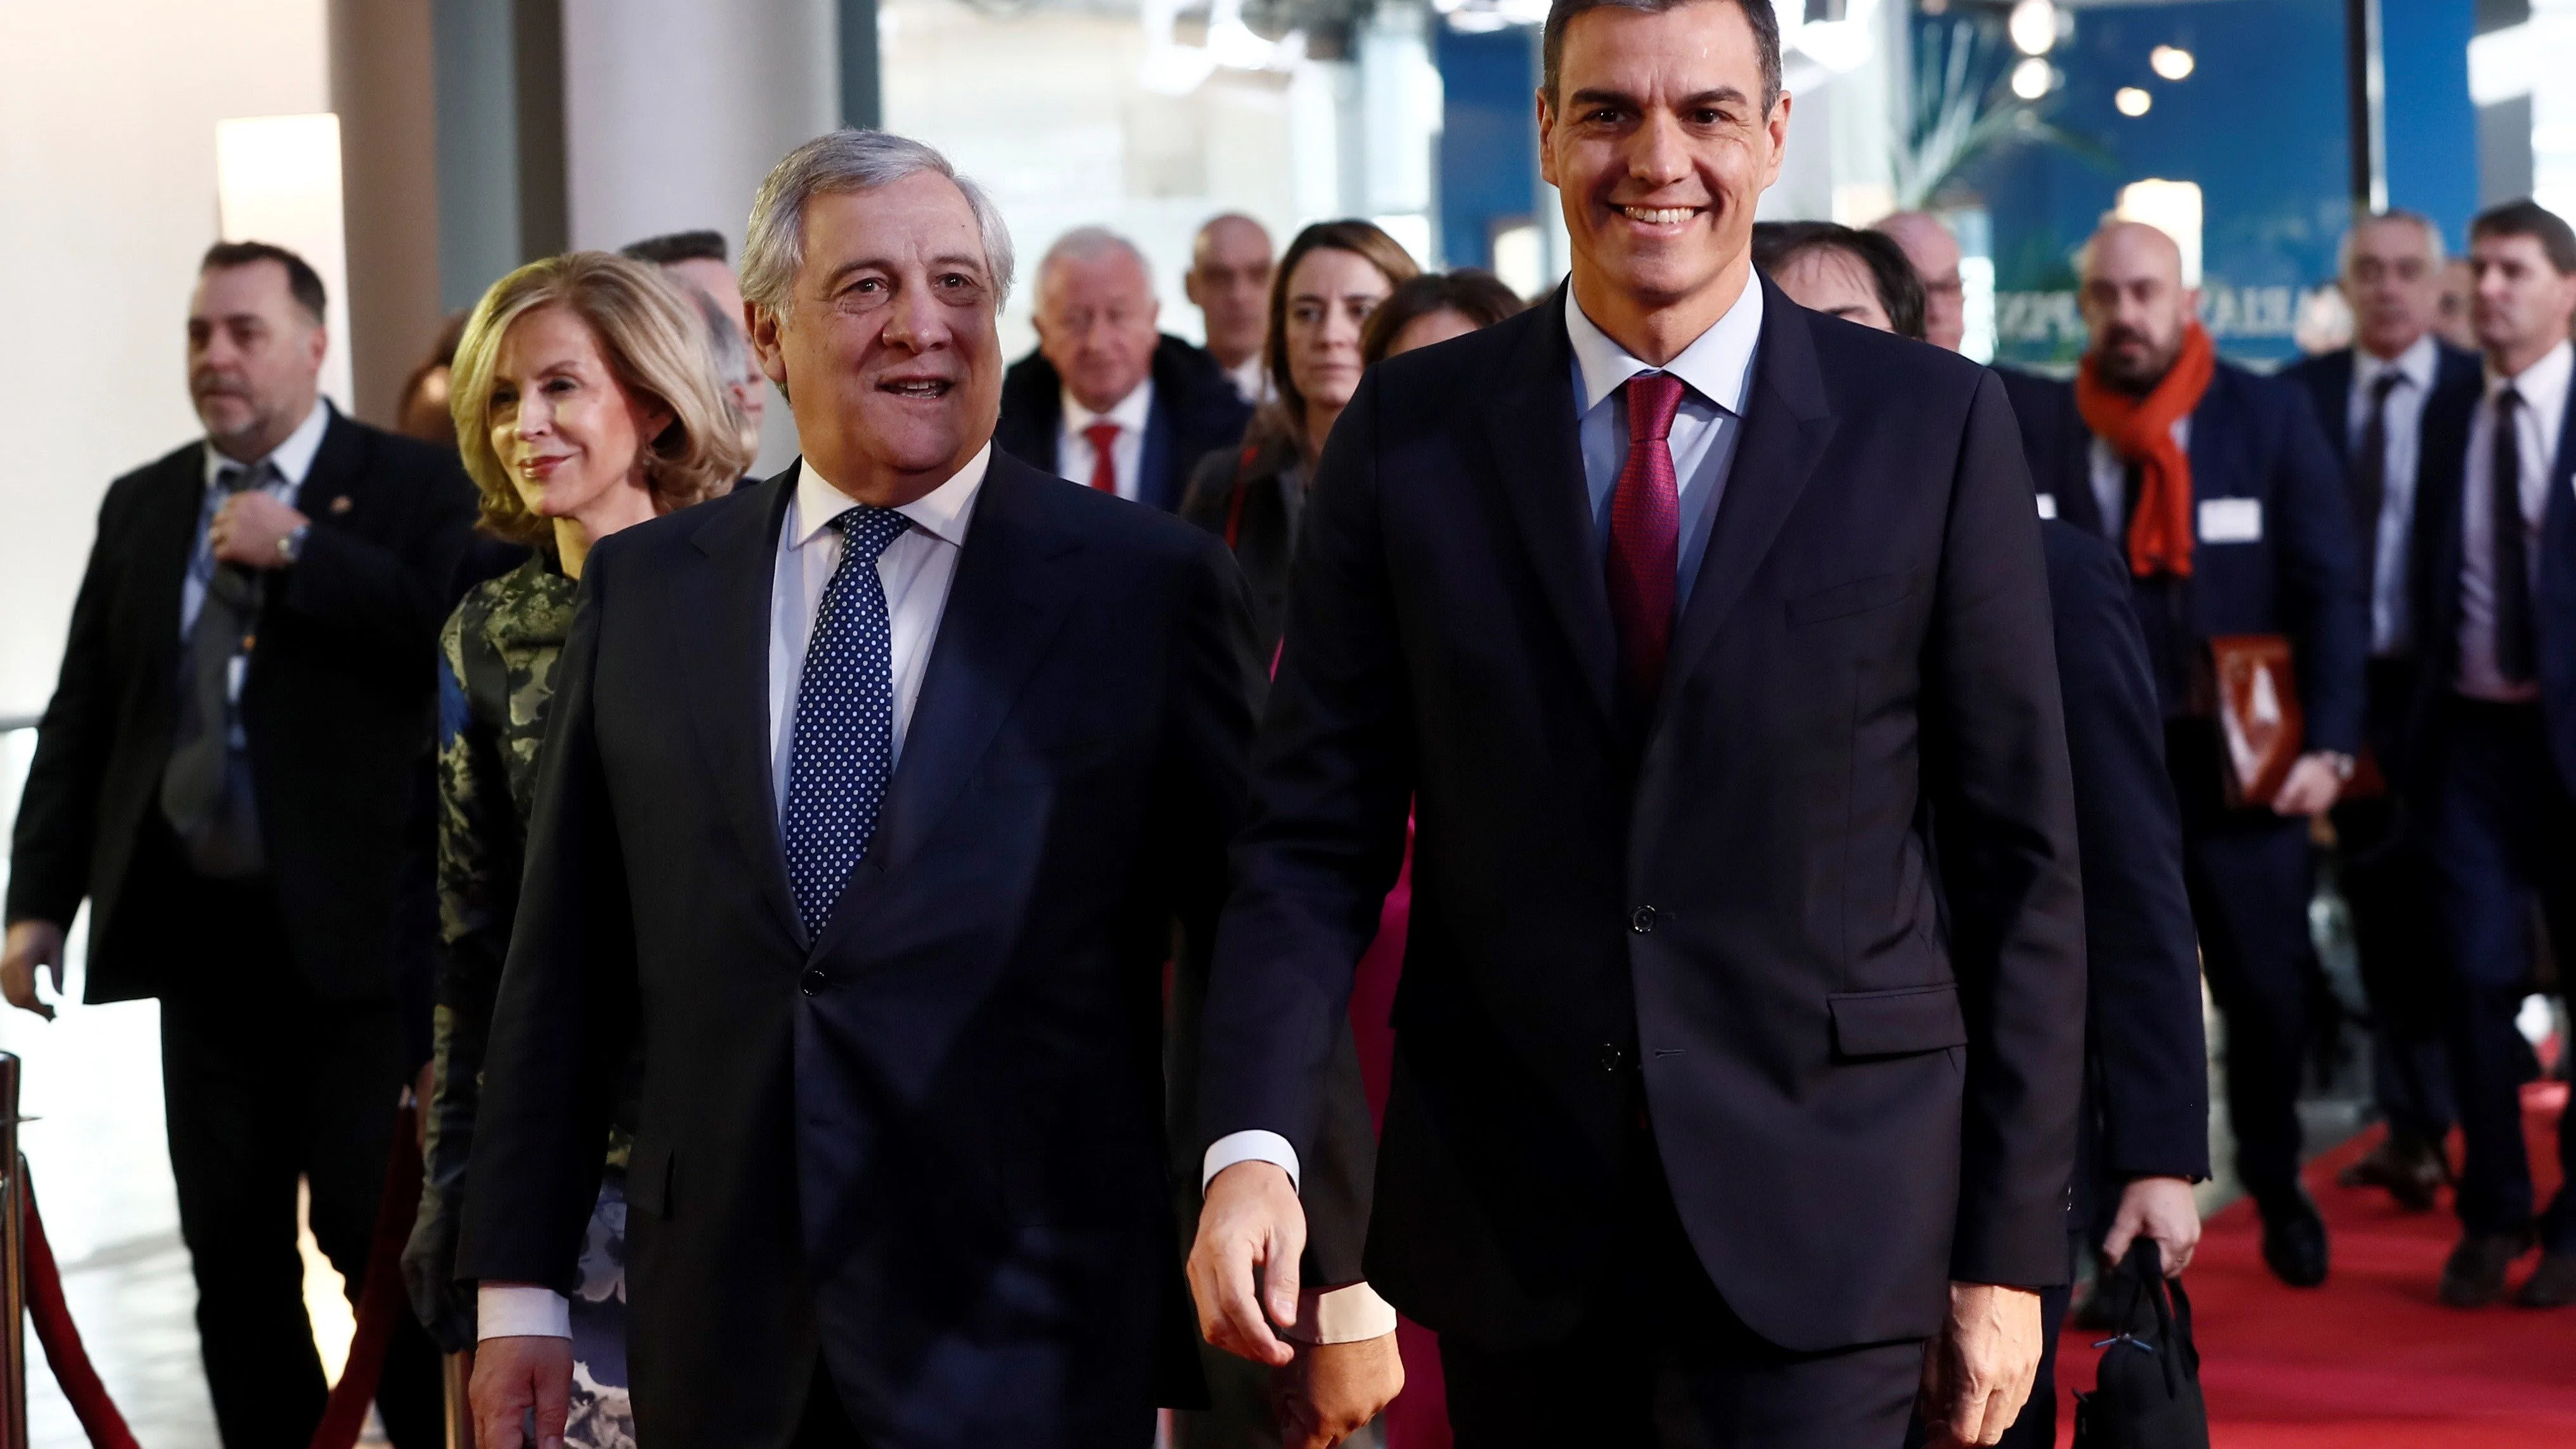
pixel 1742 1017
pixel 1107 400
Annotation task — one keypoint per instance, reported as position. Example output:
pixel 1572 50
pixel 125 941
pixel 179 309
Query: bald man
pixel 1935 255
pixel 1229 282
pixel 2219 488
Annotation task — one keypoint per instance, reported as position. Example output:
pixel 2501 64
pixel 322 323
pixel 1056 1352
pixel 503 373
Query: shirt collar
pixel 1128 412
pixel 942 512
pixel 2415 364
pixel 1718 365
pixel 292 458
pixel 2546 378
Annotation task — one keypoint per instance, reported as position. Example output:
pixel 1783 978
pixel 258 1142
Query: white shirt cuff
pixel 521 1310
pixel 1352 1313
pixel 1255 1146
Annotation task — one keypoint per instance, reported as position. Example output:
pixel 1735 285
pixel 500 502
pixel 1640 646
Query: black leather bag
pixel 2146 1392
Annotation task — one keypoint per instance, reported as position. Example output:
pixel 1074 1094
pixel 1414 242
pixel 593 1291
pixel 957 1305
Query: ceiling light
pixel 2132 101
pixel 2171 61
pixel 2033 26
pixel 2032 78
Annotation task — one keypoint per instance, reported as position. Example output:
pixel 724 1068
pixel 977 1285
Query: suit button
pixel 1642 920
pixel 1613 1060
pixel 812 982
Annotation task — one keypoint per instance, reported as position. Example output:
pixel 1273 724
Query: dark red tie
pixel 1104 456
pixel 1645 536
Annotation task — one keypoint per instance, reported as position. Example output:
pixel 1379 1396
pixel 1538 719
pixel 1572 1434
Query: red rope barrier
pixel 382 1296
pixel 53 1318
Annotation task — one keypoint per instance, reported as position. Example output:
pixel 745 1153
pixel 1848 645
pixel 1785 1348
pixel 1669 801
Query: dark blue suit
pixel 2387 873
pixel 1196 412
pixel 2499 781
pixel 2250 872
pixel 926 1148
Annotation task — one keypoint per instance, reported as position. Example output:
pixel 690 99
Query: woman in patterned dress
pixel 586 400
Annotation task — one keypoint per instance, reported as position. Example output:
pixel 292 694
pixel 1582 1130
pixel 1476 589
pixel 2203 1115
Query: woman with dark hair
pixel 1435 307
pixel 1331 278
pixel 1861 276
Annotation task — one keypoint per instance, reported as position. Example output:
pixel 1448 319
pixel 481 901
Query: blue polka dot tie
pixel 843 748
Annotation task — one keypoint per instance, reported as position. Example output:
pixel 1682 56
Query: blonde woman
pixel 587 399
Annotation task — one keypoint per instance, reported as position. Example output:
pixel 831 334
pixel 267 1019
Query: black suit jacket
pixel 1734 901
pixel 2146 1064
pixel 336 705
pixel 2438 522
pixel 1196 410
pixel 2254 438
pixel 928 1145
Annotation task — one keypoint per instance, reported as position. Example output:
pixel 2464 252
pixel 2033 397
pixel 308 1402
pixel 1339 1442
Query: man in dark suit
pixel 872 795
pixel 225 775
pixel 1703 1120
pixel 1107 400
pixel 2496 727
pixel 2372 398
pixel 2219 488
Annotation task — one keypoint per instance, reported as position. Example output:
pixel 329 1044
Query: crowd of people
pixel 1633 867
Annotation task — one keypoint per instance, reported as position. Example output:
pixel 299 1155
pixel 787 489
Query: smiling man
pixel 1707 639
pixel 872 796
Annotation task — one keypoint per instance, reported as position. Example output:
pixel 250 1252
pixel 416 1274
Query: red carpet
pixel 2371 1360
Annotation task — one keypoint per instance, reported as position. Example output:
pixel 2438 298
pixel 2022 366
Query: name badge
pixel 2048 505
pixel 2231 520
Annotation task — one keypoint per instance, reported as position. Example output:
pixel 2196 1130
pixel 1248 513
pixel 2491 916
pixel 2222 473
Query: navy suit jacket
pixel 2146 1064
pixel 927 1146
pixel 1730 911
pixel 2257 438
pixel 1196 411
pixel 2437 613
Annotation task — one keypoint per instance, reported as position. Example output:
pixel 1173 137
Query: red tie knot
pixel 1103 436
pixel 1653 398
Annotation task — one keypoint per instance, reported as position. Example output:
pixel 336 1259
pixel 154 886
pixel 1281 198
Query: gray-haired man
pixel 873 795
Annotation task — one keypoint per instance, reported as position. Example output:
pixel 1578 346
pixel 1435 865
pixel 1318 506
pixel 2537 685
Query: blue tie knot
pixel 867 530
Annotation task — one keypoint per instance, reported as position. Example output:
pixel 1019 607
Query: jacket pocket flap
pixel 648 1179
pixel 1897 1023
pixel 1857 597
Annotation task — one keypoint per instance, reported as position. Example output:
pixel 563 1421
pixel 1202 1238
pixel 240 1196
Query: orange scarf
pixel 2140 430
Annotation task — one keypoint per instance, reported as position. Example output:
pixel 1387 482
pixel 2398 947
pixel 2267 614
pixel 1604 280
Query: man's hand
pixel 1977 1374
pixel 2161 1210
pixel 248 529
pixel 2312 788
pixel 1330 1391
pixel 32 945
pixel 1251 1225
pixel 513 1376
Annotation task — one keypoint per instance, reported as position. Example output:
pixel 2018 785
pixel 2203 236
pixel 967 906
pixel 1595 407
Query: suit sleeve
pixel 1994 747
pixel 1332 777
pixel 563 1020
pixel 394 595
pixel 2324 603
pixel 2149 1064
pixel 58 808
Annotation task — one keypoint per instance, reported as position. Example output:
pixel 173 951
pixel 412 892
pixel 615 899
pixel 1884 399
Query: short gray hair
pixel 844 161
pixel 2352 235
pixel 1090 243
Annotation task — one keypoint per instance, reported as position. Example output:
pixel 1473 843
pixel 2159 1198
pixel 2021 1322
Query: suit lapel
pixel 1011 595
pixel 1532 427
pixel 1786 424
pixel 1156 483
pixel 720 618
pixel 165 541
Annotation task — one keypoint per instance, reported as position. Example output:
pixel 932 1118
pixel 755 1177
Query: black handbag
pixel 2146 1392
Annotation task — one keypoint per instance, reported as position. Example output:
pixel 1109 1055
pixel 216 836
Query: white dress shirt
pixel 1074 457
pixel 2109 474
pixel 1717 371
pixel 1251 378
pixel 2543 387
pixel 916 570
pixel 2392 627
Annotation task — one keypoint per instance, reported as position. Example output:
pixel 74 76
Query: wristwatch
pixel 2342 764
pixel 291 547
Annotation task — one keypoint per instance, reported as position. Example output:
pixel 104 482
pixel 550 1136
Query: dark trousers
pixel 1661 1361
pixel 266 1083
pixel 2388 881
pixel 826 1423
pixel 2249 874
pixel 2504 832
